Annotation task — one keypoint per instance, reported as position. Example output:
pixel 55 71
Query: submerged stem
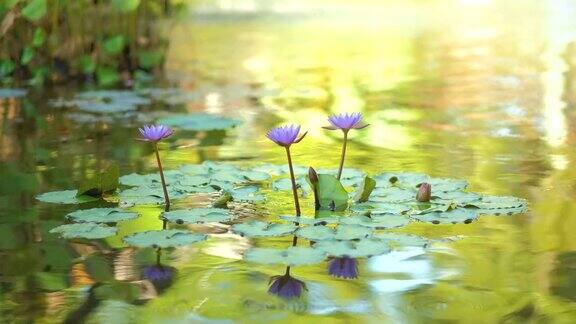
pixel 166 198
pixel 294 189
pixel 343 154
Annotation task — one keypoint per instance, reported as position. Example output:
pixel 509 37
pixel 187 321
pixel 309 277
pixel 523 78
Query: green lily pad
pixel 462 198
pixel 197 216
pixel 292 256
pixel 447 184
pixel 331 193
pixel 195 169
pixel 353 249
pixel 148 195
pixel 365 189
pixel 256 176
pixel 247 194
pixel 136 180
pixel 401 179
pixel 275 170
pixel 84 230
pixel 101 215
pixel 194 181
pixel 310 221
pixel 502 211
pixel 163 238
pixel 286 184
pixel 455 216
pixel 425 208
pixel 64 197
pixel 378 222
pixel 199 122
pixel 398 240
pixel 392 195
pixel 342 232
pixel 497 202
pixel 263 229
pixel 376 208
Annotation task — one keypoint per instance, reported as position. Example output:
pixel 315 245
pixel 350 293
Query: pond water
pixel 475 90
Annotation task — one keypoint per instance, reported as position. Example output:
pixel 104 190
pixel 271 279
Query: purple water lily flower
pixel 286 287
pixel 160 276
pixel 346 121
pixel 155 133
pixel 285 135
pixel 344 267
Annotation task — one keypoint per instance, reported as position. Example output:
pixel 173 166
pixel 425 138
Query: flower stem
pixel 343 154
pixel 166 199
pixel 294 190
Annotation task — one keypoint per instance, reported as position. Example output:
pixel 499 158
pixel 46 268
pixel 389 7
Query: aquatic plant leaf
pixel 292 256
pixel 35 10
pixel 365 189
pixel 113 45
pixel 136 180
pixel 256 176
pixel 502 211
pixel 148 195
pixel 275 169
pixel 285 184
pixel 424 208
pixel 101 215
pixel 6 93
pixel 497 202
pixel 353 249
pixel 342 232
pixel 461 198
pixel 379 208
pixel 195 169
pixel 105 107
pixel 399 240
pixel 163 238
pixel 197 216
pixel 84 230
pixel 447 184
pixel 126 5
pixel 392 195
pixel 454 216
pixel 194 181
pixel 247 194
pixel 303 220
pixel 263 229
pixel 107 76
pixel 400 179
pixel 378 222
pixel 150 58
pixel 64 197
pixel 199 122
pixel 103 182
pixel 331 193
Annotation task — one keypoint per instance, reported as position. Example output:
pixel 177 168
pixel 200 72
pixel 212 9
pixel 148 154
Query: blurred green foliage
pixel 106 41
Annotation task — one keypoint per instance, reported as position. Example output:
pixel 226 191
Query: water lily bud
pixel 424 193
pixel 312 175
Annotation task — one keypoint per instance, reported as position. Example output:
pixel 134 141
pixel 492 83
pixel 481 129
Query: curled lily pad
pixel 342 232
pixel 199 122
pixel 197 216
pixel 353 249
pixel 331 193
pixel 399 240
pixel 292 256
pixel 101 215
pixel 64 197
pixel 302 220
pixel 364 190
pixel 497 202
pixel 378 222
pixel 263 229
pixel 163 238
pixel 84 230
pixel 454 216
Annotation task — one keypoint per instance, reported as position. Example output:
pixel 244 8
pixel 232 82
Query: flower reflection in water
pixel 345 267
pixel 286 286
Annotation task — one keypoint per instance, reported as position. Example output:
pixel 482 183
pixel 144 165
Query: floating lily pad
pixel 12 93
pixel 195 169
pixel 255 175
pixel 263 229
pixel 199 122
pixel 105 107
pixel 497 202
pixel 194 181
pixel 399 240
pixel 163 238
pixel 425 208
pixel 84 230
pixel 342 232
pixel 64 197
pixel 197 216
pixel 148 195
pixel 378 222
pixel 310 221
pixel 353 249
pixel 247 194
pixel 274 169
pixel 461 198
pixel 136 180
pixel 101 215
pixel 286 184
pixel 405 180
pixel 392 195
pixel 502 211
pixel 376 208
pixel 455 216
pixel 292 256
pixel 447 184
